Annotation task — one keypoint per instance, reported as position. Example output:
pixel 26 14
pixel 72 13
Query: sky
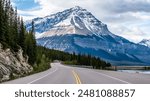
pixel 127 18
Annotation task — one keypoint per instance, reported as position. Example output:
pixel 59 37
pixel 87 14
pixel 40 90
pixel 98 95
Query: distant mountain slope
pixel 145 42
pixel 77 30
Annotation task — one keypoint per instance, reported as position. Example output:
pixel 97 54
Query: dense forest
pixel 71 59
pixel 14 35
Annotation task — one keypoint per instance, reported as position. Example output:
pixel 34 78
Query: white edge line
pixel 43 76
pixel 113 77
pixel 109 76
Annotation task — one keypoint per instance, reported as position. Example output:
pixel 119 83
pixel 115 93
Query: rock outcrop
pixel 13 64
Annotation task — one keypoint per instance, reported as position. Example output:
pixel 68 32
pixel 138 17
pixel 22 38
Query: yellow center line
pixel 77 78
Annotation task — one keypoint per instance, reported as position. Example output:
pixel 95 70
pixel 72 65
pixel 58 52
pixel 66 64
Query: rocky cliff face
pixel 12 64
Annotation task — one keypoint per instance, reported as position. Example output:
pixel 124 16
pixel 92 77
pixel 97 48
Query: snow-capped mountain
pixel 145 42
pixel 74 20
pixel 77 30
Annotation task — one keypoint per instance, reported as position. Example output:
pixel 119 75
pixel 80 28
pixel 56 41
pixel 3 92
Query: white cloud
pixel 132 33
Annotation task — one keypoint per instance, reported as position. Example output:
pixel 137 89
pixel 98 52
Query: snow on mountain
pixel 77 30
pixel 70 21
pixel 145 42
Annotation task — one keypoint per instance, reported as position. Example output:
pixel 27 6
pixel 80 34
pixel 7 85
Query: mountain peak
pixel 75 20
pixel 145 42
pixel 77 8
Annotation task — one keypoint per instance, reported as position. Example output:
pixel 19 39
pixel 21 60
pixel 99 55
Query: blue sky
pixel 26 4
pixel 126 18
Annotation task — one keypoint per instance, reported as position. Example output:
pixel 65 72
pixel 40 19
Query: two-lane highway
pixel 62 74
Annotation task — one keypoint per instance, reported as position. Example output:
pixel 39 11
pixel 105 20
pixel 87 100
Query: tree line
pixel 73 59
pixel 14 35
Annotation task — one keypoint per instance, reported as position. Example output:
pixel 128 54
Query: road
pixel 62 74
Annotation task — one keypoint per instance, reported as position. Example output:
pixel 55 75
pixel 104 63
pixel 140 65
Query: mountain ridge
pixel 77 30
pixel 145 42
pixel 73 14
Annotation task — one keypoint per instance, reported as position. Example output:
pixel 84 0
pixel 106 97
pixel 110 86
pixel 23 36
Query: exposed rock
pixel 13 64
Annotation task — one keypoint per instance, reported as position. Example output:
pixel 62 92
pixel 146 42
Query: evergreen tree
pixel 21 36
pixel 6 25
pixel 15 32
pixel 30 45
pixel 2 20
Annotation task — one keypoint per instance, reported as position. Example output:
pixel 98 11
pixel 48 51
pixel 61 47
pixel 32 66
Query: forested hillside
pixel 72 59
pixel 13 34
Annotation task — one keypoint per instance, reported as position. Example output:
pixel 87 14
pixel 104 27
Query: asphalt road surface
pixel 62 74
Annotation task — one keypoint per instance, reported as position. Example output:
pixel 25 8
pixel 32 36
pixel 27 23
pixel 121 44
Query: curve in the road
pixel 43 76
pixel 62 74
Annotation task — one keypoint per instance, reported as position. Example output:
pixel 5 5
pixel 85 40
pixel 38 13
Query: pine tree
pixel 21 36
pixel 15 34
pixel 2 20
pixel 6 22
pixel 30 45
